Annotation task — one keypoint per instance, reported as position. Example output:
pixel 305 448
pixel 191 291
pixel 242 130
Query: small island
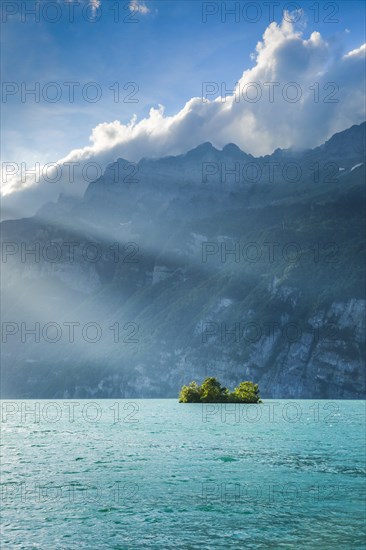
pixel 211 391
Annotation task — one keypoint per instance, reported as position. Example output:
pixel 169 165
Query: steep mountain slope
pixel 212 262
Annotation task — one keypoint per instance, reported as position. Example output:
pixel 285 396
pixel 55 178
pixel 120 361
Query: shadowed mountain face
pixel 209 263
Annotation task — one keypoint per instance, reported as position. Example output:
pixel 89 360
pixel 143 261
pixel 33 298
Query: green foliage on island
pixel 211 391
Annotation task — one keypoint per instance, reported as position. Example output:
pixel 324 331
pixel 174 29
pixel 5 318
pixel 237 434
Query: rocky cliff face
pixel 141 287
pixel 302 365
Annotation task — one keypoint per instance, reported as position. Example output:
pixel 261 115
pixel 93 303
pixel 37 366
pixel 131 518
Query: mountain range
pixel 212 262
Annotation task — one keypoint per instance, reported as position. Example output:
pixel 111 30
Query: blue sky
pixel 167 53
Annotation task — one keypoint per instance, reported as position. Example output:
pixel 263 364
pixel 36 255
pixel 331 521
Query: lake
pixel 134 474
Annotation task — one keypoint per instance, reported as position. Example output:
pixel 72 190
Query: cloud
pixel 358 52
pixel 299 92
pixel 95 5
pixel 137 6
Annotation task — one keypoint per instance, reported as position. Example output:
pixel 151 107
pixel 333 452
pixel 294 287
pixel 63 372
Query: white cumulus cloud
pixel 358 52
pixel 137 6
pixel 299 92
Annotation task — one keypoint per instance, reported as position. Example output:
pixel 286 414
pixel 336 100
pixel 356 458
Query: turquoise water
pixel 158 474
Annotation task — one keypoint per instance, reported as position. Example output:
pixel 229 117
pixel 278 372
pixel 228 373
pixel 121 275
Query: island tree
pixel 246 392
pixel 211 391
